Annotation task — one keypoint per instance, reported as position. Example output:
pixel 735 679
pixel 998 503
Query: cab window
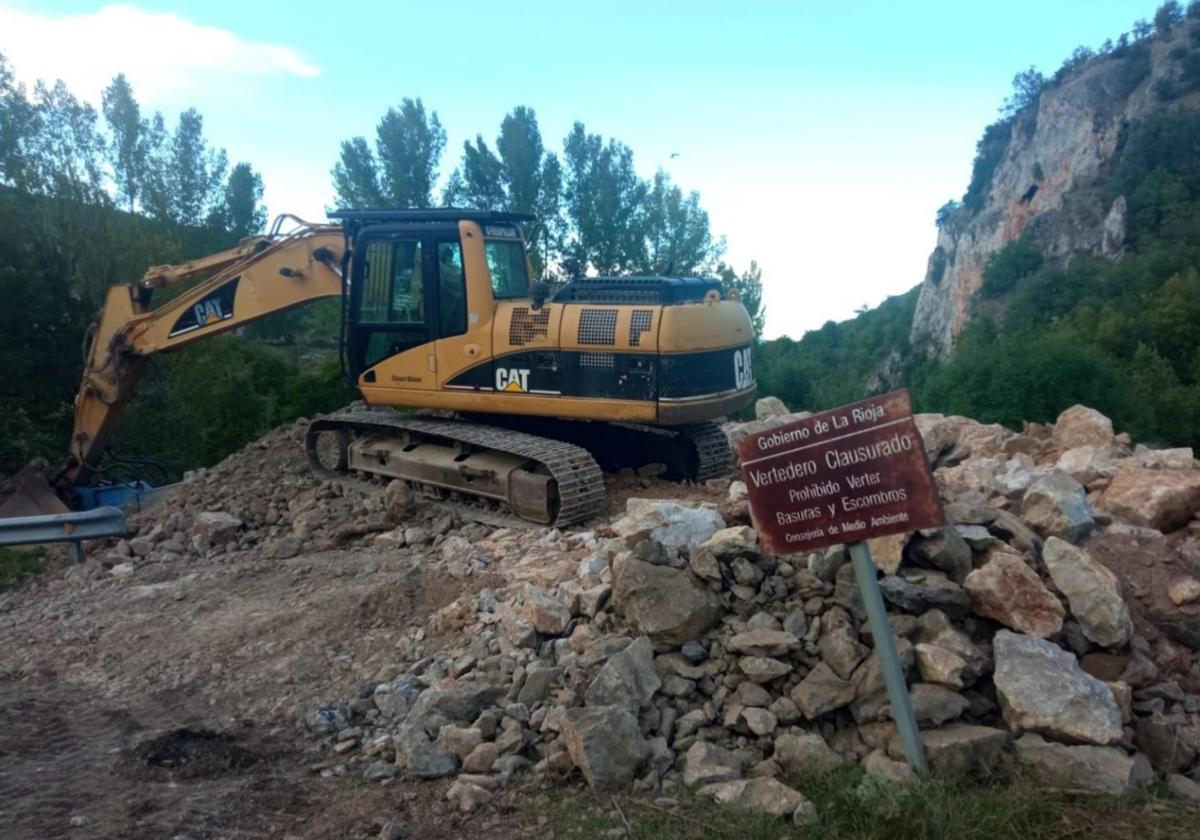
pixel 392 291
pixel 507 266
pixel 452 290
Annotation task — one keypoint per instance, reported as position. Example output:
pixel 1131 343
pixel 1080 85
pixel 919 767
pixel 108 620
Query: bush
pixel 1008 265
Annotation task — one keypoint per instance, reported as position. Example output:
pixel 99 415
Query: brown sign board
pixel 849 474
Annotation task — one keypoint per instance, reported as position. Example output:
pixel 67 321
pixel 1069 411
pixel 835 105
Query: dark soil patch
pixel 191 754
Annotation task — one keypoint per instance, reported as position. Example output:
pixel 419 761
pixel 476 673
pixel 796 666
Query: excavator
pixel 479 384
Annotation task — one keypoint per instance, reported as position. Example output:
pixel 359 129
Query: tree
pixel 184 176
pixel 127 148
pixel 1193 10
pixel 354 178
pixel 18 122
pixel 604 200
pixel 1142 29
pixel 241 211
pixel 945 212
pixel 404 166
pixel 1168 15
pixel 677 234
pixel 1027 87
pixel 748 286
pixel 64 154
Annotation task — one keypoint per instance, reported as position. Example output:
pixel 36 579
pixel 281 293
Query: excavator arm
pixel 261 276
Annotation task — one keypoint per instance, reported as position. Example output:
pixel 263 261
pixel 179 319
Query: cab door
pixel 393 311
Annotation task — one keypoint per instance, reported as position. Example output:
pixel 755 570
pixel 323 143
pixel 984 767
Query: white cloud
pixel 161 53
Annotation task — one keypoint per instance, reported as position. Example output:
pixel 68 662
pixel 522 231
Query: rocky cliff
pixel 1050 162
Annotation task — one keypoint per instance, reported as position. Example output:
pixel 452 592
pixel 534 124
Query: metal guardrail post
pixel 64 527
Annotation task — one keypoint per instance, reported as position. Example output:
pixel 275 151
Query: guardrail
pixel 64 527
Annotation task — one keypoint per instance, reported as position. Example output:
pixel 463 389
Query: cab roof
pixel 428 214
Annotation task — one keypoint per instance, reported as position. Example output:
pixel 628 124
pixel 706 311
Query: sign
pixel 842 476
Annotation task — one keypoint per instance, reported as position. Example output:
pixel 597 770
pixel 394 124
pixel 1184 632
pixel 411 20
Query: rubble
pixel 661 647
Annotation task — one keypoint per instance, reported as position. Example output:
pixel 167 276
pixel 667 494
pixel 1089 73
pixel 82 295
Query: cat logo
pixel 513 380
pixel 208 312
pixel 743 368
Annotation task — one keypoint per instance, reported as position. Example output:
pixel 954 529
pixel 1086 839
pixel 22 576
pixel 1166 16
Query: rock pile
pixel 1054 620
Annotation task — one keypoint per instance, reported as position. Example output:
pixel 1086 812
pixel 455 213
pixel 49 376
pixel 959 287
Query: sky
pixel 821 136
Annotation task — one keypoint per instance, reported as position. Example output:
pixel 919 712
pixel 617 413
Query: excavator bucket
pixel 32 495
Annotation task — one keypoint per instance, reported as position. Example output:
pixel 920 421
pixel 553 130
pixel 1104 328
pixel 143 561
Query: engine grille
pixel 638 324
pixel 526 326
pixel 598 326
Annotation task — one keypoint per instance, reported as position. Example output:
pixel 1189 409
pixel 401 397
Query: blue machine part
pixel 110 495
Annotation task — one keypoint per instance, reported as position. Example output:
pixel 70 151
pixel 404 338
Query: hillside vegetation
pixel 1119 334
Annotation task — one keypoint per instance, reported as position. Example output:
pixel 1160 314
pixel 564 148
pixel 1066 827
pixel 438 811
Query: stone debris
pixel 662 648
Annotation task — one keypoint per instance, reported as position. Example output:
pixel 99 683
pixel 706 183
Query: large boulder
pixel 1041 688
pixel 1101 769
pixel 668 605
pixel 1093 592
pixel 548 615
pixel 1160 499
pixel 605 744
pixel 214 527
pixel 1056 505
pixel 670 523
pixel 1082 426
pixel 628 679
pixel 1006 590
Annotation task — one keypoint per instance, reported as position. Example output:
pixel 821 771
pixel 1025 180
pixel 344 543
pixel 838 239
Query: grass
pixel 853 806
pixel 16 566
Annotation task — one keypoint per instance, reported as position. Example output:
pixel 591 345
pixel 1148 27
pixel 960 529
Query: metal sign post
pixel 842 477
pixel 889 658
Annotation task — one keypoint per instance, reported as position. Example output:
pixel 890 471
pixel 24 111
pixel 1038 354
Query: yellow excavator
pixel 521 396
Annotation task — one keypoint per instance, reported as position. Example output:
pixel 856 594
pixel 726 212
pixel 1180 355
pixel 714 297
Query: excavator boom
pixel 260 277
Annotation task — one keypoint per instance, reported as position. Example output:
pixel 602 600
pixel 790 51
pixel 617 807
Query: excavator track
pixel 576 482
pixel 692 452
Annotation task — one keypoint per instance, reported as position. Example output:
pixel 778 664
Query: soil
pixel 167 704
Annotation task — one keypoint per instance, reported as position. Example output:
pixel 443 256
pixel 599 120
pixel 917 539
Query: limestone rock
pixel 1042 689
pixel 417 753
pixel 763 669
pixel 628 679
pixel 919 590
pixel 878 766
pixel 940 666
pixel 1101 769
pixel 548 615
pixel 766 796
pixel 839 646
pixel 606 745
pixel 1008 591
pixel 934 705
pixel 668 605
pixel 805 753
pixel 730 543
pixel 1160 499
pixel 821 691
pixel 763 643
pixel 706 763
pixel 214 527
pixel 964 747
pixel 1082 426
pixel 1056 505
pixel 670 523
pixel 1184 591
pixel 888 552
pixel 454 703
pixel 1087 463
pixel 768 407
pixel 1093 592
pixel 943 549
